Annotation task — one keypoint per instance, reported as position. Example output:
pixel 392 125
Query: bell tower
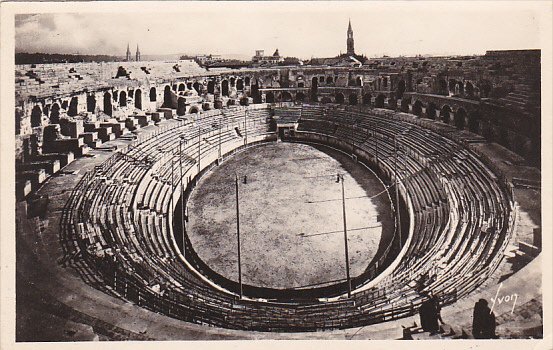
pixel 349 41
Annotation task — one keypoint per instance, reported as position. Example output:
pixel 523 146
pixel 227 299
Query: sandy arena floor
pixel 290 216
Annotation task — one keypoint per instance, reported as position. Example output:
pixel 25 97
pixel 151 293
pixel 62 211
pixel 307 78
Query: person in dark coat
pixel 483 321
pixel 429 316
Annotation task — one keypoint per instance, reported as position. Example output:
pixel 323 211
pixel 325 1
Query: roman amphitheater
pixel 162 200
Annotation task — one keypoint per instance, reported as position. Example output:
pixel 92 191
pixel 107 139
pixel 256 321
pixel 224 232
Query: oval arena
pixel 128 188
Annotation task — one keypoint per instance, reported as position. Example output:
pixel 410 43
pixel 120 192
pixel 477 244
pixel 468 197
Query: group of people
pixel 483 319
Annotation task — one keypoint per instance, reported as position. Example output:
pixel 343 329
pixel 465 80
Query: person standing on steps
pixel 483 321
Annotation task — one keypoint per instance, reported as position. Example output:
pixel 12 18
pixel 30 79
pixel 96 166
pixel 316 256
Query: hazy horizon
pixel 303 30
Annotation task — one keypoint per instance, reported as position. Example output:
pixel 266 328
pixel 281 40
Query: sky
pixel 303 29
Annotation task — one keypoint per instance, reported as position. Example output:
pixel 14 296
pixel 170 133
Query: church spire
pixel 128 53
pixel 349 41
pixel 137 53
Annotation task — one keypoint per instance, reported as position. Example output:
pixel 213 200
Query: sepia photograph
pixel 260 170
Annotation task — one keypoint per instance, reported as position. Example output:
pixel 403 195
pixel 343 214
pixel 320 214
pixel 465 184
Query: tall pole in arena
pixel 398 215
pixel 238 235
pixel 245 126
pixel 341 179
pixel 199 142
pixel 182 140
pixel 220 126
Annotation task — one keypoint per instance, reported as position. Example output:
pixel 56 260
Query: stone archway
pixel 285 96
pixel 270 97
pixel 225 88
pixel 123 99
pixel 197 87
pixel 405 102
pixel 339 98
pixel 460 118
pixel 379 101
pixel 417 108
pixel 445 114
pixel 138 99
pixel 300 97
pixel 211 87
pixel 36 117
pixel 352 99
pixel 108 108
pixel 153 94
pixel 469 90
pixel 400 89
pixel 431 110
pixel 90 103
pixel 181 106
pixel 55 112
pixel 325 100
pixel 366 100
pixel 239 85
pixel 73 106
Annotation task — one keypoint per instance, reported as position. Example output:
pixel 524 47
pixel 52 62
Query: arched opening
pixel 239 85
pixel 400 89
pixel 196 87
pixel 73 106
pixel 392 103
pixel 167 96
pixel 244 101
pixel 230 102
pixel 459 90
pixel 224 88
pixel 339 98
pixel 181 106
pixel 469 88
pixel 379 101
pixel 474 122
pixel 138 99
pixel 175 87
pixel 256 96
pixel 232 81
pixel 247 81
pixel 358 81
pixel 485 89
pixel 352 99
pixel 194 110
pixel 108 109
pixel 182 87
pixel 325 100
pixel 36 116
pixel 189 86
pixel 285 96
pixel 460 118
pixel 452 84
pixel 153 94
pixel 329 80
pixel 64 104
pixel 270 97
pixel 431 111
pixel 314 88
pixel 417 108
pixel 300 97
pixel 301 84
pixel 210 87
pixel 55 112
pixel 206 106
pixel 405 102
pixel 445 114
pixel 367 99
pixel 122 99
pixel 90 103
pixel 442 87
